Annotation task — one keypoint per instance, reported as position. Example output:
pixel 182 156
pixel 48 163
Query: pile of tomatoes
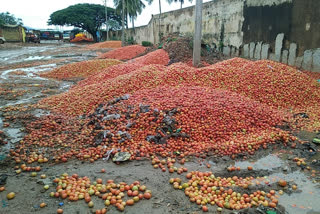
pixel 83 100
pixel 271 83
pixel 203 188
pixel 120 195
pixel 228 108
pixel 109 73
pixel 80 69
pixel 217 121
pixel 158 57
pixel 81 39
pixel 106 44
pixel 124 53
pixel 206 121
pixel 267 82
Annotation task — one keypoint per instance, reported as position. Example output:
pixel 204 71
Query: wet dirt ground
pixel 20 86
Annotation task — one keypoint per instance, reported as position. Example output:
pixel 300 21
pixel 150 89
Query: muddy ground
pixel 21 86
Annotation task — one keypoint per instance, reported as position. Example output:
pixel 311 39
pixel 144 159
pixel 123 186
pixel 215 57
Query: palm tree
pixel 135 9
pixel 181 2
pixel 131 8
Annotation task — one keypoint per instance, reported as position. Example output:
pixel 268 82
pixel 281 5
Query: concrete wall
pixel 305 24
pixel 285 51
pixel 221 21
pixel 286 31
pixel 265 22
pixel 142 33
pixel 257 3
pixel 299 20
pixel 250 28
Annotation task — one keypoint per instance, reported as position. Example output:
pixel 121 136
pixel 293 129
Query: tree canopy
pixel 9 19
pixel 89 17
pixel 181 2
pixel 132 7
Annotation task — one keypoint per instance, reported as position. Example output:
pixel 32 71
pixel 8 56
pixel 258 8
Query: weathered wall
pixel 142 33
pixel 287 31
pixel 281 30
pixel 255 3
pixel 284 51
pixel 299 20
pixel 305 24
pixel 265 22
pixel 217 16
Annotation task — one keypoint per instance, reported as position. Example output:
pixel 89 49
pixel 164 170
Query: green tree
pixel 133 8
pixel 89 17
pixel 9 19
pixel 181 2
pixel 129 8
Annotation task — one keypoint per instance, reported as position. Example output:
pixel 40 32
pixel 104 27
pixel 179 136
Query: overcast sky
pixel 35 13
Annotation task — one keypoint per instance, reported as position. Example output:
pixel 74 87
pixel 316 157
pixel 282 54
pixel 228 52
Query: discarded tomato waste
pixel 172 115
pixel 124 53
pixel 80 69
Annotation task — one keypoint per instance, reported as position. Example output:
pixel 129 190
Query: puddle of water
pixel 30 71
pixel 31 58
pixel 306 201
pixel 21 101
pixel 300 202
pixel 66 55
pixel 65 85
pixel 269 162
pixel 13 133
pixel 41 112
pixel 23 54
pixel 14 136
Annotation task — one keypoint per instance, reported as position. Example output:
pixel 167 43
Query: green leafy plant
pixel 146 44
pixel 191 44
pixel 115 38
pixel 221 45
pixel 131 41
